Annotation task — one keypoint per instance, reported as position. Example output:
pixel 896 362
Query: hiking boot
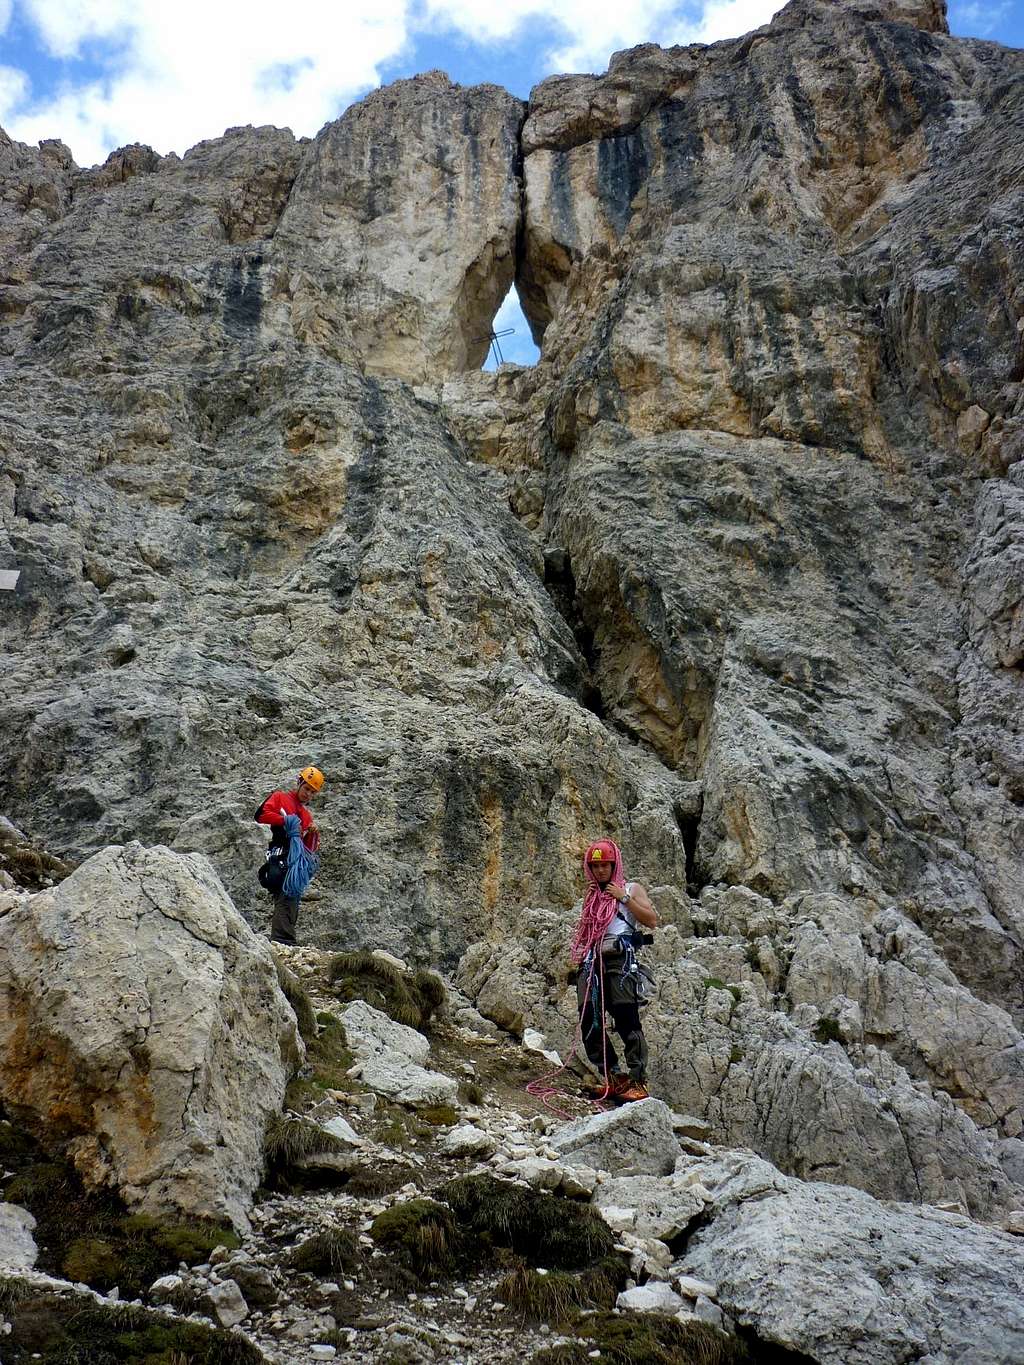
pixel 597 1089
pixel 632 1090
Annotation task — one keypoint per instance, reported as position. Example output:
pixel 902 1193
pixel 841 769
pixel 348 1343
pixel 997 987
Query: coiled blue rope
pixel 302 865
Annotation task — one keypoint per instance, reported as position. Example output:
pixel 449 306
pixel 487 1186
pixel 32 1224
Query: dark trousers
pixel 286 917
pixel 625 1016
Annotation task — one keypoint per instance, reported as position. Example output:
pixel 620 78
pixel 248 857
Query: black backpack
pixel 272 872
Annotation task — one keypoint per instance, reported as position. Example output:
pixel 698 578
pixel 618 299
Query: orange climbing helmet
pixel 312 777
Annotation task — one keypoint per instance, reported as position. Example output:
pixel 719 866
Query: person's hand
pixel 619 892
pixel 312 826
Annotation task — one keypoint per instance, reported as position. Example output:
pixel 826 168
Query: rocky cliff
pixel 733 574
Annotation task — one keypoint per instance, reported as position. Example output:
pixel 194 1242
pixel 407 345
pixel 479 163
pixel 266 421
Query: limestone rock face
pixel 403 222
pixel 821 1032
pixel 831 1272
pixel 391 1057
pixel 18 1250
pixel 732 574
pixel 143 1030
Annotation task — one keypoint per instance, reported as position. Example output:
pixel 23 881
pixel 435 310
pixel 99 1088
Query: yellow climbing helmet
pixel 312 777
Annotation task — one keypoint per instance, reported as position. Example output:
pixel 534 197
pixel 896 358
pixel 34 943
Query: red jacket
pixel 276 807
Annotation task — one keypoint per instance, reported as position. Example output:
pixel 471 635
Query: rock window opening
pixel 510 335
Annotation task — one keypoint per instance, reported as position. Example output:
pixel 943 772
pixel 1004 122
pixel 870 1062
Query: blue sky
pixel 100 73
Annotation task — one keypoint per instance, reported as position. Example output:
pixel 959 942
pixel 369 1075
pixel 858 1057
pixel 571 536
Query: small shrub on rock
pixel 326 1252
pixel 411 998
pixel 631 1339
pixel 61 1330
pixel 421 1235
pixel 546 1229
pixel 31 868
pixel 296 995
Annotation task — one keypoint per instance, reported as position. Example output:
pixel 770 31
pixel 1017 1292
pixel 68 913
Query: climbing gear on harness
pixel 312 777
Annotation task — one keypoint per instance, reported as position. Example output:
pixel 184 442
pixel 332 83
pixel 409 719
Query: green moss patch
pixel 296 995
pixel 326 1252
pixel 89 1236
pixel 411 998
pixel 545 1229
pixel 634 1339
pixel 59 1330
pixel 422 1237
pixel 827 1031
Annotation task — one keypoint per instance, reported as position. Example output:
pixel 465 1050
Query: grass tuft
pixel 289 1138
pixel 296 995
pixel 421 1235
pixel 326 1252
pixel 546 1229
pixel 411 998
pixel 631 1339
pixel 370 1182
pixel 553 1297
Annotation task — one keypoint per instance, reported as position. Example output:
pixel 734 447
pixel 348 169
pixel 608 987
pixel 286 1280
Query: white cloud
pixel 13 88
pixel 5 13
pixel 594 29
pixel 731 18
pixel 171 74
pixel 177 73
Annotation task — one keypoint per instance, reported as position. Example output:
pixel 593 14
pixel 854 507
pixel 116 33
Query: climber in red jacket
pixel 275 812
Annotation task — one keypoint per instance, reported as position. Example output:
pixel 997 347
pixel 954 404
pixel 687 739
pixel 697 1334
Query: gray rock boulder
pixel 661 1207
pixel 635 1139
pixel 656 1297
pixel 369 1030
pixel 849 1280
pixel 142 1028
pixel 390 1057
pixel 18 1250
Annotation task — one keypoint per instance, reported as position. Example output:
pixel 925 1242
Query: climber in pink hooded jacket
pixel 610 978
